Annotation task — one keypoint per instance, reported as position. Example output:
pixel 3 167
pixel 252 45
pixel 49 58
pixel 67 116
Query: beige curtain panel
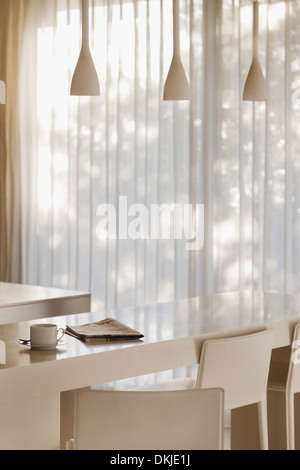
pixel 13 18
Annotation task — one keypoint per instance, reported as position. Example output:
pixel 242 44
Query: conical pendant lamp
pixel 2 92
pixel 85 80
pixel 176 86
pixel 255 86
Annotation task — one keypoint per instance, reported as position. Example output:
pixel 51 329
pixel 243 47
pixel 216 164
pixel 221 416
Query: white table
pixel 32 382
pixel 20 302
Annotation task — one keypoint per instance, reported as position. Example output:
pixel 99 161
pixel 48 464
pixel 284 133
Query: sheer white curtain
pixel 240 160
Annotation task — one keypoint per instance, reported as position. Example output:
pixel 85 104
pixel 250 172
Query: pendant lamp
pixel 176 86
pixel 255 86
pixel 85 80
pixel 2 92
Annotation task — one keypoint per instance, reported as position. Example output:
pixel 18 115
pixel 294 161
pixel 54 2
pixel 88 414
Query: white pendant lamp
pixel 255 86
pixel 176 86
pixel 2 92
pixel 85 80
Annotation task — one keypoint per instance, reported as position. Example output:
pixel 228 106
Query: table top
pixel 207 315
pixel 15 294
pixel 183 324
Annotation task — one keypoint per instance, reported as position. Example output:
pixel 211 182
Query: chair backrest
pixel 188 419
pixel 293 378
pixel 239 365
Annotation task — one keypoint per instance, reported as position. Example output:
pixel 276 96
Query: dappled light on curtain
pixel 128 151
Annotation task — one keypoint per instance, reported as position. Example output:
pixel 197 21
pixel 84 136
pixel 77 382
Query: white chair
pixel 125 420
pixel 238 365
pixel 284 378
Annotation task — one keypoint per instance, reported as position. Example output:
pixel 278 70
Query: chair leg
pixel 290 422
pixel 263 425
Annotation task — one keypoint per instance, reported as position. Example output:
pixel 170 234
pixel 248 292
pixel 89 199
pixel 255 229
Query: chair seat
pixel 186 383
pixel 278 376
pixel 173 384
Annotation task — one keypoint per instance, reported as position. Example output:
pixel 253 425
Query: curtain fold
pixel 12 21
pixel 66 161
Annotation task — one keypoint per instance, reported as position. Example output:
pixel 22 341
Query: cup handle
pixel 63 332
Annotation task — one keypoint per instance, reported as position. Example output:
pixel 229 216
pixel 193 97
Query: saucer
pixel 44 348
pixel 26 342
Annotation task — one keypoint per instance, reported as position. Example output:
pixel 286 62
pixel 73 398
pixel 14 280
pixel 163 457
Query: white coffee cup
pixel 45 335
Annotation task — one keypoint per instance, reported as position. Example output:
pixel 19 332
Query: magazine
pixel 105 330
